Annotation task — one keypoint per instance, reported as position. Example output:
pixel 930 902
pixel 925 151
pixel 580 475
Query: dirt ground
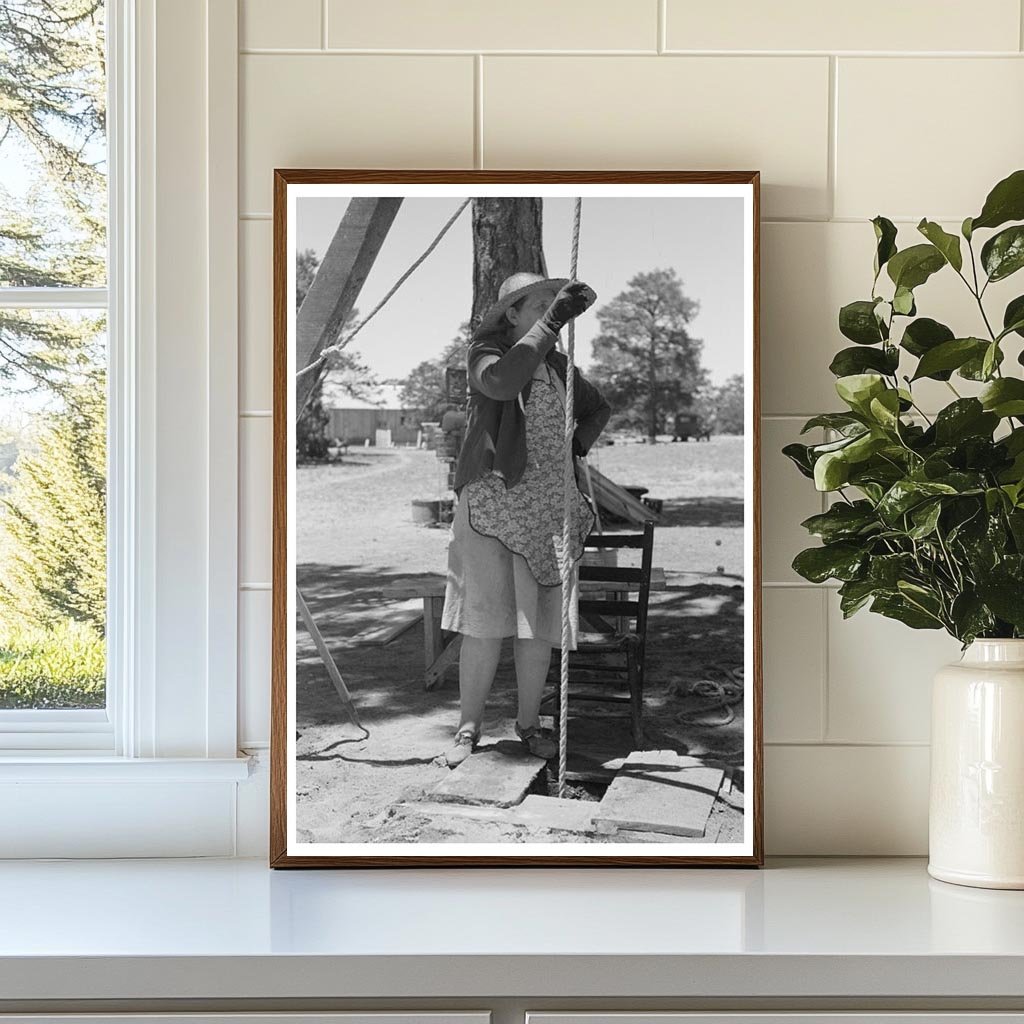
pixel 355 532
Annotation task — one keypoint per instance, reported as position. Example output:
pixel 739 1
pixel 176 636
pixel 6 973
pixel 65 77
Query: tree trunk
pixel 506 238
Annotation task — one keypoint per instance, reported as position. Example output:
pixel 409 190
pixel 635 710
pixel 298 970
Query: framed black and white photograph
pixel 516 558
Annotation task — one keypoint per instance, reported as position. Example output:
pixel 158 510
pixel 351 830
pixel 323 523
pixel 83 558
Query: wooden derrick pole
pixel 337 284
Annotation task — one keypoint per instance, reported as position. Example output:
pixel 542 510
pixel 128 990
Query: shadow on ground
pixel 348 784
pixel 703 511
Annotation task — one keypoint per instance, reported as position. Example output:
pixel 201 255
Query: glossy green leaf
pixel 904 495
pixel 886 570
pixel 858 389
pixel 885 409
pixel 885 238
pixel 925 518
pixel 903 302
pixel 1005 596
pixel 833 420
pixel 966 417
pixel 1003 254
pixel 1013 316
pixel 990 360
pixel 841 561
pixel 924 334
pixel 900 608
pixel 855 360
pixel 854 594
pixel 1004 397
pixel 857 321
pixel 947 244
pixel 974 368
pixel 971 616
pixel 949 355
pixel 1005 202
pixel 799 455
pixel 831 471
pixel 913 266
pixel 842 521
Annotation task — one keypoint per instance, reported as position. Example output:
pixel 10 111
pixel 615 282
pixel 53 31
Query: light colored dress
pixel 503 567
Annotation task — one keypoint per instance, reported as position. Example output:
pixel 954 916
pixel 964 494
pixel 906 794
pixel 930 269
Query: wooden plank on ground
pixel 391 623
pixel 494 776
pixel 659 791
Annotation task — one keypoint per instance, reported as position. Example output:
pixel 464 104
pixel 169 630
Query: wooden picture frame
pixel 348 261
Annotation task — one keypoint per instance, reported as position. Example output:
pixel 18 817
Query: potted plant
pixel 926 524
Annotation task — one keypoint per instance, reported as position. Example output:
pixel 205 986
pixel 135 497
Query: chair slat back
pixel 635 579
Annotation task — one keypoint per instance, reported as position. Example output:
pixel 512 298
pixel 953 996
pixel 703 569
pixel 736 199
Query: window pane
pixel 53 149
pixel 52 508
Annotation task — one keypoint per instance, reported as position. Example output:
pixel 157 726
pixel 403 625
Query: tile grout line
pixel 323 24
pixel 1020 26
pixel 478 111
pixel 854 744
pixel 662 40
pixel 825 650
pixel 824 714
pixel 832 146
pixel 256 215
pixel 768 55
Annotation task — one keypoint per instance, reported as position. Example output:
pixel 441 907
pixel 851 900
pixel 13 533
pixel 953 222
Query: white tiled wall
pixel 906 109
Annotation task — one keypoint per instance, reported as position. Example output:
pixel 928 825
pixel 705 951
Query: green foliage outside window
pixel 53 212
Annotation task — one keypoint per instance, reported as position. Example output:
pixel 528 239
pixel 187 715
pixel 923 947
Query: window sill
pixel 76 766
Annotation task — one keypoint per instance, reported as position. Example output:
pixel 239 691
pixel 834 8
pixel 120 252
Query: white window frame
pixel 172 511
pixel 72 729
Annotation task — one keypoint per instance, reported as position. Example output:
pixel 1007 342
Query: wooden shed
pixel 376 415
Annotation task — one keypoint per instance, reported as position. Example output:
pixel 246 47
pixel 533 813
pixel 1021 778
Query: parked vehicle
pixel 689 424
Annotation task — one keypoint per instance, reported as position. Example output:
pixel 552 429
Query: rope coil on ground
pixel 569 486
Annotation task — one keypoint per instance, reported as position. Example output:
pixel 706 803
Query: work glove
pixel 573 299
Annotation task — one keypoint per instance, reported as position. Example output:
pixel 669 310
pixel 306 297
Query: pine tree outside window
pixel 53 372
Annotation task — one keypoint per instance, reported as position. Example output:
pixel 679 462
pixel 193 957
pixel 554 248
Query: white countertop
pixel 233 928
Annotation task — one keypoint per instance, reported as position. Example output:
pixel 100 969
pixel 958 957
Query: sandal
pixel 538 741
pixel 463 745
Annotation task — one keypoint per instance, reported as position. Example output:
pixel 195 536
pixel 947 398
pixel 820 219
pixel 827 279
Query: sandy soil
pixel 355 532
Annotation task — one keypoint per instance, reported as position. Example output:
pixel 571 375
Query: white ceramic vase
pixel 976 812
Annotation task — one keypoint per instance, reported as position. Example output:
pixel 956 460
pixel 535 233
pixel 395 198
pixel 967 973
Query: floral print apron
pixel 528 518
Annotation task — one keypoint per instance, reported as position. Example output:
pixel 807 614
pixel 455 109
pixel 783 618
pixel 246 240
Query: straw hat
pixel 512 289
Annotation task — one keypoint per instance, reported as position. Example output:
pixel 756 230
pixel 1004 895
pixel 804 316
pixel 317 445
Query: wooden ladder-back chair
pixel 623 637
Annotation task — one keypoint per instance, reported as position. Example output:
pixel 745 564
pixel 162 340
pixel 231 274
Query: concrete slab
pixel 498 775
pixel 659 791
pixel 555 813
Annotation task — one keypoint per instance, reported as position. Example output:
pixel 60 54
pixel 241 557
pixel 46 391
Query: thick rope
pixel 569 488
pixel 338 346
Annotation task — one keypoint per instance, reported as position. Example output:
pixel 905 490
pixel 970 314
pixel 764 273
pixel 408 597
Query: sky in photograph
pixel 701 238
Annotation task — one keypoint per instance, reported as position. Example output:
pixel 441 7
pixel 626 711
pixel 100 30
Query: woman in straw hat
pixel 503 563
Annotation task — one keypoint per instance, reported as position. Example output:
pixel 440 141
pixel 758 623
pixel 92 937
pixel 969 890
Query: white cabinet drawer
pixel 933 1017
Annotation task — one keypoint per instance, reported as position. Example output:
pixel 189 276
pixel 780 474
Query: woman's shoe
pixel 538 741
pixel 461 748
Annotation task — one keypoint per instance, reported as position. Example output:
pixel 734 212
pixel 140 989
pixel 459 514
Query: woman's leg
pixel 478 661
pixel 532 660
